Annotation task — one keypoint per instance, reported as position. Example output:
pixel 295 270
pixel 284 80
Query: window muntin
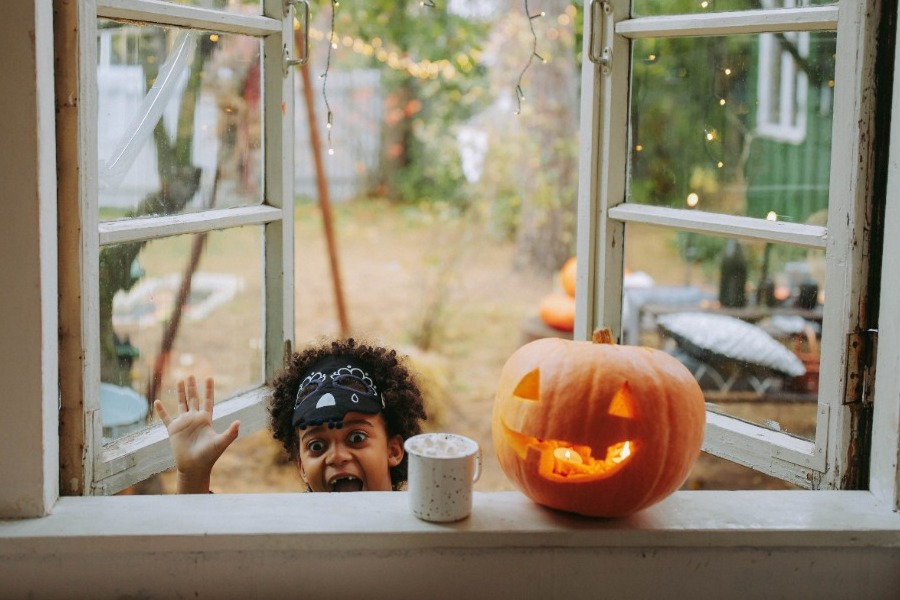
pixel 737 146
pixel 240 6
pixel 646 8
pixel 179 120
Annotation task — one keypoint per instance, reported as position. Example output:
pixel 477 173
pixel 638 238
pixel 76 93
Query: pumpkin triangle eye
pixel 529 387
pixel 622 404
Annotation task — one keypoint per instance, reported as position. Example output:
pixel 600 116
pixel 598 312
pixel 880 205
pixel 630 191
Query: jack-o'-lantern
pixel 595 428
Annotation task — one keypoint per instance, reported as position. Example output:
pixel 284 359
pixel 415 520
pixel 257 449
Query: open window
pixel 176 221
pixel 757 244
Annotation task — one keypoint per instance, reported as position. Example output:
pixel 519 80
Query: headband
pixel 333 387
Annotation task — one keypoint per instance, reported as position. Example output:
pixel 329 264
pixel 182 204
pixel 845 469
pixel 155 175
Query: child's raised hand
pixel 194 442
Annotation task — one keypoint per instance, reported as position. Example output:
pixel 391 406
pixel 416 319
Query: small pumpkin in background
pixel 558 309
pixel 595 428
pixel 567 276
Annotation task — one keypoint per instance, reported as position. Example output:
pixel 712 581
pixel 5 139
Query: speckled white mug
pixel 442 470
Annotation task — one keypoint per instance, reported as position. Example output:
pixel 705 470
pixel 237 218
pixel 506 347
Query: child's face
pixel 356 457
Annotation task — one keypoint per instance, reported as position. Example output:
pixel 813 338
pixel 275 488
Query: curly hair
pixel 403 406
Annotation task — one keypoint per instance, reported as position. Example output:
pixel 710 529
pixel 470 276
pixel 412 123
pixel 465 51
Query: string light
pixel 520 95
pixel 331 46
pixel 394 59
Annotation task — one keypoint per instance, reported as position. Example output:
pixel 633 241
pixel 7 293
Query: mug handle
pixel 477 474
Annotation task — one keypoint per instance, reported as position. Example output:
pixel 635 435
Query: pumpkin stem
pixel 603 335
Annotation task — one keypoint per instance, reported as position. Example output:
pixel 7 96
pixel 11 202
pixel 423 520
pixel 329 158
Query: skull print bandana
pixel 333 387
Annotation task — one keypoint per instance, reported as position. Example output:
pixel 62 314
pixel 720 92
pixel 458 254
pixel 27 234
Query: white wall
pixel 28 348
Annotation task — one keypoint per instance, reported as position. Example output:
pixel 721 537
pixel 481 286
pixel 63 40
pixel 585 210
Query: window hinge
pixel 861 351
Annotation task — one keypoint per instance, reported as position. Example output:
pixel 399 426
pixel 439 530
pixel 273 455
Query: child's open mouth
pixel 347 484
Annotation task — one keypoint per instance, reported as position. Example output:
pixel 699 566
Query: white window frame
pixel 785 122
pixel 88 466
pixel 604 213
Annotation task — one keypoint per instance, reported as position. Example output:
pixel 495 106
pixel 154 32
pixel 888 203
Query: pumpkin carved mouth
pixel 559 460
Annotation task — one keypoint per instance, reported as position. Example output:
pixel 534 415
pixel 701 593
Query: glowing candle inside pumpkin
pixel 568 462
pixel 567 456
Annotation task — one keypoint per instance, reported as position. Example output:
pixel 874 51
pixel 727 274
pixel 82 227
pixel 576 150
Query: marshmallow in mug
pixel 441 446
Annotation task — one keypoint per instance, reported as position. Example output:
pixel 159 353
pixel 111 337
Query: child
pixel 341 410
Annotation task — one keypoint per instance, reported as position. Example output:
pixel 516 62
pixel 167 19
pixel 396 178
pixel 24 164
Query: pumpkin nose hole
pixel 529 387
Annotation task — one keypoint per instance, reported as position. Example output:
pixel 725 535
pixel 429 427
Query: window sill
pixel 382 520
pixel 230 545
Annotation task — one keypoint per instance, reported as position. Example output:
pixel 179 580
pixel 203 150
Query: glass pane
pixel 644 8
pixel 174 307
pixel 179 120
pixel 738 125
pixel 744 317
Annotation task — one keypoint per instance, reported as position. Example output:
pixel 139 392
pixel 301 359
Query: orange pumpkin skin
pixel 560 393
pixel 567 276
pixel 558 311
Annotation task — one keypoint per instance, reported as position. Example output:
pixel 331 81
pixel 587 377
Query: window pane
pixel 744 317
pixel 646 8
pixel 738 125
pixel 175 107
pixel 209 326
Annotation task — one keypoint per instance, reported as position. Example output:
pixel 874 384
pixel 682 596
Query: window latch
pixel 304 55
pixel 600 39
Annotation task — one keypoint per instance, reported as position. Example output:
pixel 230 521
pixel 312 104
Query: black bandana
pixel 333 387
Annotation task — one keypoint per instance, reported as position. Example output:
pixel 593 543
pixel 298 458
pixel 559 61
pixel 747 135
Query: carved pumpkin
pixel 595 428
pixel 558 311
